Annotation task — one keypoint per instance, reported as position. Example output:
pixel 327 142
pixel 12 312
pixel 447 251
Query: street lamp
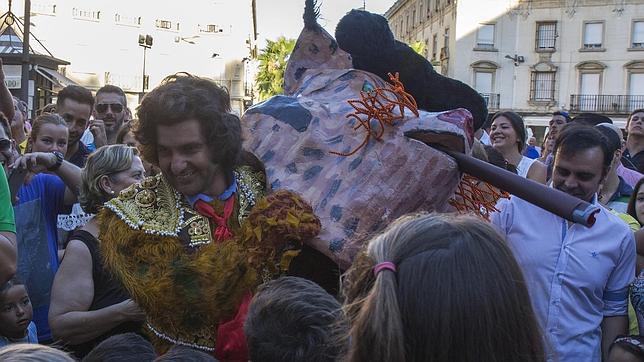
pixel 145 41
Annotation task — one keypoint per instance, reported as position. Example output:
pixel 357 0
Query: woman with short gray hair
pixel 87 304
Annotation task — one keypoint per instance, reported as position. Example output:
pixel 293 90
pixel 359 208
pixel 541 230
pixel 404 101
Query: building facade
pixel 100 39
pixel 535 56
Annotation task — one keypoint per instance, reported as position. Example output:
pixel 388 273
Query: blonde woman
pixel 87 305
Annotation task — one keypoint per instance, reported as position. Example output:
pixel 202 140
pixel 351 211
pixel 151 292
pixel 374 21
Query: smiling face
pixel 15 312
pixel 77 117
pixel 579 174
pixel 110 107
pixel 185 158
pixel 636 124
pixel 503 135
pixel 50 138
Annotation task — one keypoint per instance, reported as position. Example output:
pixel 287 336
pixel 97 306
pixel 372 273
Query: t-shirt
pixel 31 337
pixel 39 204
pixel 80 157
pixel 619 200
pixel 634 162
pixel 7 222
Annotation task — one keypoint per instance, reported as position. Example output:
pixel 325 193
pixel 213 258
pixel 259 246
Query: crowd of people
pixel 157 238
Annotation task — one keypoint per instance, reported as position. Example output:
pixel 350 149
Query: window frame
pixel 478 46
pixel 631 42
pixel 534 91
pixel 584 47
pixel 552 49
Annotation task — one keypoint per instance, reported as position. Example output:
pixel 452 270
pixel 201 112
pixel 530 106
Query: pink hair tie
pixel 385 265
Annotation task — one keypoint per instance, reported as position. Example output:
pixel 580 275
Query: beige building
pixel 535 56
pixel 100 40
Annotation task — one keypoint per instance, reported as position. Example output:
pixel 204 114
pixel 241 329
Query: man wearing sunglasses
pixel 109 115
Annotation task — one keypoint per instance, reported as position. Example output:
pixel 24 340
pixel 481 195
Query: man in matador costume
pixel 192 243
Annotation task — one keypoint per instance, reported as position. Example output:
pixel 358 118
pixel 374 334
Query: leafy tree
pixel 418 47
pixel 272 63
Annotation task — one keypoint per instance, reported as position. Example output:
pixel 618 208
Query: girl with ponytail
pixel 439 287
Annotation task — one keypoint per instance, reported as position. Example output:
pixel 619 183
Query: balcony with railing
pixel 612 104
pixel 491 100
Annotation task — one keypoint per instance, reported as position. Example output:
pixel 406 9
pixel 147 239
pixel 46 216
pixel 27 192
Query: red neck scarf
pixel 222 231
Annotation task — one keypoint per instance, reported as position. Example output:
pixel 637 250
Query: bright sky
pixel 284 17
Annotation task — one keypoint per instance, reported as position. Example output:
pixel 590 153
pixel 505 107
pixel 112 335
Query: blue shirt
pixel 39 204
pixel 575 275
pixel 223 196
pixel 31 337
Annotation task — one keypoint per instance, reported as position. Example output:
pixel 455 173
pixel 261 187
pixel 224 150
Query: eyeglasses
pixel 116 107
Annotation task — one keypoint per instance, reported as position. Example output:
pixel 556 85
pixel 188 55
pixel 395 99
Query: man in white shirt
pixel 578 277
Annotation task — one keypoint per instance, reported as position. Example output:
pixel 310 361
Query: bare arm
pixel 538 172
pixel 38 162
pixel 8 256
pixel 611 328
pixel 639 241
pixel 72 295
pixel 6 100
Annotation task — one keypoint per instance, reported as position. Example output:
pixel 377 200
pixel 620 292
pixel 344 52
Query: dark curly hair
pixel 182 97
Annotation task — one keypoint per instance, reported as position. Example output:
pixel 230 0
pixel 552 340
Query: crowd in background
pixel 525 286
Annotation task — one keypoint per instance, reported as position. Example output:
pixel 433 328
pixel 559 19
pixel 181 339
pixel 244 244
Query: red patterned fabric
pixel 222 231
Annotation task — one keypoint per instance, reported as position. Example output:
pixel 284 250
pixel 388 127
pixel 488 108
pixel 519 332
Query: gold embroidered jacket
pixel 162 252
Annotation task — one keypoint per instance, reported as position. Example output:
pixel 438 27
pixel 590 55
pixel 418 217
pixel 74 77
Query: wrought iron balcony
pixel 491 100
pixel 614 104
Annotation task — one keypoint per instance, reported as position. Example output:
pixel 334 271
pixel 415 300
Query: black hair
pixel 182 97
pixel 127 347
pixel 591 119
pixel 15 280
pixel 180 353
pixel 294 319
pixel 108 88
pixel 496 158
pixel 612 139
pixel 517 124
pixel 76 93
pixel 580 137
pixel 631 202
pixel 563 114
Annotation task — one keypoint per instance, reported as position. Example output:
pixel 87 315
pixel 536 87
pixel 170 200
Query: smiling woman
pixel 508 135
pixel 49 133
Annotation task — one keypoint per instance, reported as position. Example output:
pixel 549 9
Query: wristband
pixel 59 161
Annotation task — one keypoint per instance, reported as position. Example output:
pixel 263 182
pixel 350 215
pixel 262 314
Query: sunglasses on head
pixel 102 107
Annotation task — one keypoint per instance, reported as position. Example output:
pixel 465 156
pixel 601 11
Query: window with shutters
pixel 593 35
pixel 485 37
pixel 637 35
pixel 546 36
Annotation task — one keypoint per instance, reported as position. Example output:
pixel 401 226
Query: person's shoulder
pixel 613 223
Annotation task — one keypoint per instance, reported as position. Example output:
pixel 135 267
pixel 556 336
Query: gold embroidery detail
pixel 250 186
pixel 152 206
